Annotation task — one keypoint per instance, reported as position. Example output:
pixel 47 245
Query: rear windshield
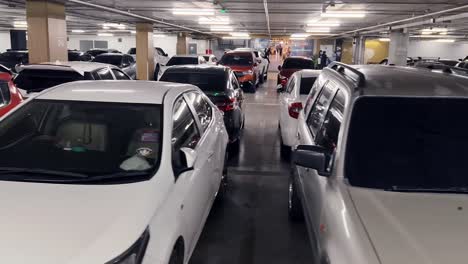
pixel 237 59
pixel 207 82
pixel 411 142
pixel 182 61
pixel 306 84
pixel 14 56
pixel 90 139
pixel 37 80
pixel 298 64
pixel 132 51
pixel 109 59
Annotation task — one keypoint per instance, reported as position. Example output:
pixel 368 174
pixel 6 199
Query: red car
pixel 245 67
pixel 10 96
pixel 292 65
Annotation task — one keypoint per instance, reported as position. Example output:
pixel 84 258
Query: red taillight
pixel 284 81
pixel 227 105
pixel 294 109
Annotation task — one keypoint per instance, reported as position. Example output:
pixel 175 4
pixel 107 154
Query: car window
pixel 234 82
pixel 5 95
pixel 182 61
pixel 119 75
pixel 291 84
pixel 160 51
pixel 130 59
pixel 312 96
pixel 241 59
pixel 185 132
pixel 202 108
pixel 317 114
pixel 298 63
pixel 105 74
pixel 36 80
pixel 206 81
pixel 306 85
pixel 115 60
pixel 328 134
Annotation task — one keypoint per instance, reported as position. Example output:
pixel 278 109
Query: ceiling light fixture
pixel 345 14
pixel 20 24
pixel 105 34
pixel 193 12
pixel 300 35
pixel 323 24
pixel 291 38
pixel 239 34
pixel 236 37
pixel 213 21
pixel 326 30
pixel 159 35
pixel 384 39
pixel 78 31
pixel 133 31
pixel 445 40
pixel 221 28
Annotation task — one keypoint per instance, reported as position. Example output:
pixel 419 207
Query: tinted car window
pixel 241 59
pixel 182 61
pixel 306 85
pixel 36 80
pixel 311 97
pixel 5 95
pixel 293 63
pixel 89 138
pixel 160 51
pixel 132 51
pixel 328 134
pixel 105 74
pixel 420 143
pixel 115 60
pixel 202 108
pixel 119 75
pixel 208 82
pixel 319 109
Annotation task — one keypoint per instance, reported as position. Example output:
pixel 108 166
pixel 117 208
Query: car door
pixel 285 98
pixel 311 184
pixel 186 133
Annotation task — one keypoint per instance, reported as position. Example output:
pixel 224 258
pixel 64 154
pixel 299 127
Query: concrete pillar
pixel 47 31
pixel 144 51
pixel 182 44
pixel 359 48
pixel 398 50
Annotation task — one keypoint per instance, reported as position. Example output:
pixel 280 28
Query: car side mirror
pixel 279 88
pixel 279 67
pixel 313 157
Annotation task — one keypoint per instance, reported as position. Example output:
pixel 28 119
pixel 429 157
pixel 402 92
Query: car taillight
pixel 283 80
pixel 294 109
pixel 226 105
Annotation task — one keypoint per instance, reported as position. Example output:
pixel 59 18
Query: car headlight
pixel 135 254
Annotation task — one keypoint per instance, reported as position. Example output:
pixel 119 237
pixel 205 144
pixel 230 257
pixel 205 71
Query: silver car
pixel 379 171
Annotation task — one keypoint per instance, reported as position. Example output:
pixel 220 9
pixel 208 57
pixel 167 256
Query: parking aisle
pixel 251 225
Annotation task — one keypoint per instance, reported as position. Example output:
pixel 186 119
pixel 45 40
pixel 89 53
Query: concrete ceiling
pixel 285 17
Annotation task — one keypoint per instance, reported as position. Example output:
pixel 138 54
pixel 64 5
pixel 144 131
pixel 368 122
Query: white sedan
pixel 292 99
pixel 109 172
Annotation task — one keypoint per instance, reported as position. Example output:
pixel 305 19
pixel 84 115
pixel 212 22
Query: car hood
pixel 288 72
pixel 240 68
pixel 72 224
pixel 414 227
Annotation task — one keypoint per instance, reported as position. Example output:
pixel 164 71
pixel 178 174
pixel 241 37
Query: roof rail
pixel 348 71
pixel 446 68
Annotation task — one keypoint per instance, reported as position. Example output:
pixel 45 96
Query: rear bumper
pixel 233 124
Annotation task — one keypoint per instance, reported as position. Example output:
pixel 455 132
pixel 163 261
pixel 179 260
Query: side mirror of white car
pixel 190 157
pixel 313 157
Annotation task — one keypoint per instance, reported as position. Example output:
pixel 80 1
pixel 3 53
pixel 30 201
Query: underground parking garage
pixel 233 131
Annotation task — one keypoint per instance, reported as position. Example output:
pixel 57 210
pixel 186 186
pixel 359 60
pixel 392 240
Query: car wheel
pixel 177 255
pixel 294 203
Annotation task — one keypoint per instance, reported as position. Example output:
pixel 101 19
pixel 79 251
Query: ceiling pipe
pixel 265 6
pixel 389 24
pixel 125 13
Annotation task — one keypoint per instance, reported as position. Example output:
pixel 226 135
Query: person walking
pixel 319 58
pixel 323 60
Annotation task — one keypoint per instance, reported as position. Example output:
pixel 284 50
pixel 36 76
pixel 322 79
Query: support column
pixel 47 31
pixel 359 49
pixel 144 51
pixel 182 44
pixel 398 50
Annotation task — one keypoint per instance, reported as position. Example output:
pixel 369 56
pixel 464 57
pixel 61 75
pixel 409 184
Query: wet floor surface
pixel 251 224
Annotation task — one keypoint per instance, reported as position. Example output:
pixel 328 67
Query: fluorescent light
pixel 239 34
pixel 193 11
pixel 299 35
pixel 159 35
pixel 326 30
pixel 435 36
pixel 105 34
pixel 445 40
pixel 384 39
pixel 121 27
pixel 133 31
pixel 348 14
pixel 291 38
pixel 105 27
pixel 221 28
pixel 236 37
pixel 323 24
pixel 78 31
pixel 20 24
pixel 213 21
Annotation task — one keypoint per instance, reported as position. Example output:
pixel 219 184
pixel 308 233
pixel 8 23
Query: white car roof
pixel 309 73
pixel 78 66
pixel 140 92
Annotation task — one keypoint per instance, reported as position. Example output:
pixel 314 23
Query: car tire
pixel 295 212
pixel 177 255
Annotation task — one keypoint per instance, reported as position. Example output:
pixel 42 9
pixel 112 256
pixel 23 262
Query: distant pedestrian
pixel 323 60
pixel 319 58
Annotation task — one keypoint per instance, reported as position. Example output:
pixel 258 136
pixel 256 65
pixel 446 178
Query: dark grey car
pixel 123 61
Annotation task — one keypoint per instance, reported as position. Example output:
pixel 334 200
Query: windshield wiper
pixel 28 171
pixel 114 176
pixel 428 189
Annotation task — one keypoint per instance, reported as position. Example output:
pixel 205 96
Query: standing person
pixel 319 58
pixel 280 50
pixel 323 60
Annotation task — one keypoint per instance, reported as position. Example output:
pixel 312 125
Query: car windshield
pixel 36 80
pixel 298 64
pixel 306 84
pixel 410 142
pixel 182 61
pixel 109 59
pixel 94 53
pixel 132 51
pixel 13 56
pixel 237 59
pixel 91 139
pixel 208 82
pixel 74 56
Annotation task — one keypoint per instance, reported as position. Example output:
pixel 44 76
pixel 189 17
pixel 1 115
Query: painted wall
pixel 427 48
pixel 375 51
pixel 5 42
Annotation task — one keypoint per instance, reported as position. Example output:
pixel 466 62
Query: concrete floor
pixel 251 225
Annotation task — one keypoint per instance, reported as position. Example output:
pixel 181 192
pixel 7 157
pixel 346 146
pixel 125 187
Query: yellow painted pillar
pixel 182 44
pixel 47 31
pixel 144 51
